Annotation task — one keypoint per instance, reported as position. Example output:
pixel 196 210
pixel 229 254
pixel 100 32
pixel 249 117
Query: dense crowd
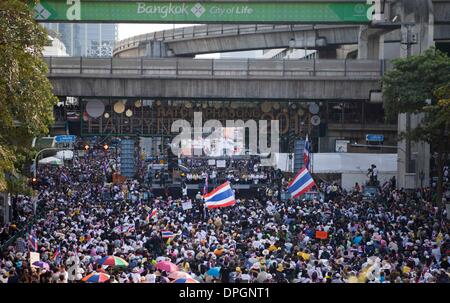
pixel 400 238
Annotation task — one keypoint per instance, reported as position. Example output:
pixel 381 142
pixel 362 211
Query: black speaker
pixel 322 130
pixel 172 160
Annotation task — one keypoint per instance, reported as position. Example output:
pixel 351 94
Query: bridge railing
pixel 184 67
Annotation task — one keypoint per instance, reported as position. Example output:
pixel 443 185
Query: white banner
pixel 187 205
pixel 34 257
pixel 221 163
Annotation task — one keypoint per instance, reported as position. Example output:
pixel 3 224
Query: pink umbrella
pixel 178 275
pixel 166 266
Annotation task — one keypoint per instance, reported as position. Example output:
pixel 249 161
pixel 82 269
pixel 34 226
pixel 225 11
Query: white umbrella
pixel 65 155
pixel 51 160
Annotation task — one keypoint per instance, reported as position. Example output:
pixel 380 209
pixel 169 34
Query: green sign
pixel 201 12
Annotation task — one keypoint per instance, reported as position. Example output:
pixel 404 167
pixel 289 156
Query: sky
pixel 127 30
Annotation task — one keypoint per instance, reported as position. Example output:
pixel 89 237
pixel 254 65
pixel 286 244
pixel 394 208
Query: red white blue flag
pixel 57 255
pixel 152 214
pixel 32 242
pixel 306 153
pixel 167 234
pixel 222 196
pixel 205 187
pixel 301 183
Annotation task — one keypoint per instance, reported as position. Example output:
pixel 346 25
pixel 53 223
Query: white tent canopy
pixel 65 155
pixel 51 160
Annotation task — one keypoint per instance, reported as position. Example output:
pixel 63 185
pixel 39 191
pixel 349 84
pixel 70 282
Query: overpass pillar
pixel 419 13
pixel 370 43
pixel 156 49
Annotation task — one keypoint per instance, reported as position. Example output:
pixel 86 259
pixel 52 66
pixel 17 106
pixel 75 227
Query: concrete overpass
pixel 216 79
pixel 212 38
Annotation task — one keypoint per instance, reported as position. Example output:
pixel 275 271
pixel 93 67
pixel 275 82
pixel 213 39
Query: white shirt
pixel 150 278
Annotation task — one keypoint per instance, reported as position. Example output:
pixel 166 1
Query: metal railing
pixel 191 68
pixel 199 31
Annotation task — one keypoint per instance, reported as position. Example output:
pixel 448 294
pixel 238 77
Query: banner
pixel 321 235
pixel 221 163
pixel 34 257
pixel 187 205
pixel 202 11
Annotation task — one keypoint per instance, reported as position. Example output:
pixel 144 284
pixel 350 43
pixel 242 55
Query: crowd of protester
pixel 400 238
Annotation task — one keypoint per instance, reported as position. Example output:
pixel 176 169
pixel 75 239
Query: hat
pixel 238 269
pixel 280 267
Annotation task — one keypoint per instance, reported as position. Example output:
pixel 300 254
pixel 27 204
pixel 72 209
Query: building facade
pixel 86 40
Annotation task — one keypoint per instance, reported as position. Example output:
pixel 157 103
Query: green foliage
pixel 407 88
pixel 413 80
pixel 26 98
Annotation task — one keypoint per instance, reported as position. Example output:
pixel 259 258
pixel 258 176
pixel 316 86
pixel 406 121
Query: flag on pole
pixel 152 214
pixel 301 183
pixel 105 166
pixel 306 153
pixel 222 196
pixel 205 187
pixel 166 234
pixel 64 177
pixel 57 252
pixel 32 242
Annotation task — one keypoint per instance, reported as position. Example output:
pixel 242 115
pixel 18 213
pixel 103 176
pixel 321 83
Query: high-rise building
pixel 55 48
pixel 86 39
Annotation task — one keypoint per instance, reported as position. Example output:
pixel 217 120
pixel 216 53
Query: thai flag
pixel 205 187
pixel 167 234
pixel 105 166
pixel 152 214
pixel 301 183
pixel 32 242
pixel 306 153
pixel 57 252
pixel 64 177
pixel 221 196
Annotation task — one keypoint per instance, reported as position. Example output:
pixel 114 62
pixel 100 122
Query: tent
pixel 51 160
pixel 65 155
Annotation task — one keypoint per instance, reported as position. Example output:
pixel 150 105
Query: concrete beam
pixel 319 88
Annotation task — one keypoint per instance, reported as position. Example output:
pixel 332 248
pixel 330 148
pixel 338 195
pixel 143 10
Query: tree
pixel 408 86
pixel 26 98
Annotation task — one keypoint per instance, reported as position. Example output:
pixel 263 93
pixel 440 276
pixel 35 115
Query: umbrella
pixel 41 264
pixel 51 160
pixel 160 258
pixel 214 271
pixel 113 261
pixel 65 154
pixel 185 280
pixel 166 266
pixel 178 275
pixel 96 277
pixel 184 169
